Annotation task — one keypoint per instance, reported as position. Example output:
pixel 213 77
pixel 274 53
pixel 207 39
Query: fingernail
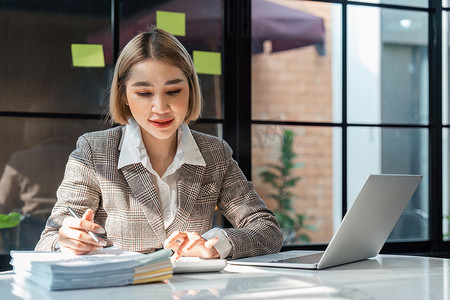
pixel 103 243
pixel 100 230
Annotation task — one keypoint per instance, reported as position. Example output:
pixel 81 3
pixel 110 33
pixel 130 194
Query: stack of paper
pixel 113 267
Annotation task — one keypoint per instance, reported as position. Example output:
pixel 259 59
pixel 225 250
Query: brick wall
pixel 295 85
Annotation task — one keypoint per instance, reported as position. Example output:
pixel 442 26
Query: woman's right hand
pixel 73 237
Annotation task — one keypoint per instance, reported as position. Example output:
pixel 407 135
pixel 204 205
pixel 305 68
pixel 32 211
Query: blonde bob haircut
pixel 155 44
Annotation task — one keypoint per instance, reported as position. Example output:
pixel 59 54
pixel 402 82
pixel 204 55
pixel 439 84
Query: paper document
pixel 109 267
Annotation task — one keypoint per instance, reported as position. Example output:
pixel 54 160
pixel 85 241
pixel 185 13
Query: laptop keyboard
pixel 304 259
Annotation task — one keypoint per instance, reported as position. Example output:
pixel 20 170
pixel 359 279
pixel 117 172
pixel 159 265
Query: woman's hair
pixel 159 45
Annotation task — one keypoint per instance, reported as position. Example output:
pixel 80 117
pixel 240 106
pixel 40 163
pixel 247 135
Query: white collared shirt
pixel 133 151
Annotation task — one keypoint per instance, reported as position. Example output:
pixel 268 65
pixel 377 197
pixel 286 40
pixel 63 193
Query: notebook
pixel 363 231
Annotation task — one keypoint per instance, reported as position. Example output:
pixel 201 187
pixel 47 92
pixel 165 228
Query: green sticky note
pixel 87 55
pixel 208 62
pixel 173 22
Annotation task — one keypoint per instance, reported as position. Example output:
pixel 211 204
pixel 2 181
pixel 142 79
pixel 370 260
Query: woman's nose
pixel 160 104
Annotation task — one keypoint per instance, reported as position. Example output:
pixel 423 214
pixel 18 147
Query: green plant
pixel 280 178
pixel 447 235
pixel 11 220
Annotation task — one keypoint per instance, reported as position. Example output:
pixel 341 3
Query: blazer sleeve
pixel 256 230
pixel 79 189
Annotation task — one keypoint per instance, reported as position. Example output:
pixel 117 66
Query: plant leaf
pixel 304 238
pixel 284 220
pixel 280 169
pixel 269 178
pixel 292 181
pixel 10 220
pixel 311 227
pixel 299 165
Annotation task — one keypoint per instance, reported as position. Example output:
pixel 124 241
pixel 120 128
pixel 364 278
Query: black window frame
pixel 435 245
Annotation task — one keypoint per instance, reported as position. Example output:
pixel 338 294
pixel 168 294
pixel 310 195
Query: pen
pixel 89 232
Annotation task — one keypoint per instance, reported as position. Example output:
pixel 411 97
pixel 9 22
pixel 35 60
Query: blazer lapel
pixel 189 184
pixel 141 184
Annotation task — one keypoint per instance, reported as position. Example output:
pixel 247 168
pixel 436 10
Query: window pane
pixel 316 196
pixel 416 3
pixel 387 65
pixel 373 150
pixel 32 164
pixel 36 69
pixel 296 76
pixel 209 128
pixel 445 67
pixel 203 32
pixel 446 183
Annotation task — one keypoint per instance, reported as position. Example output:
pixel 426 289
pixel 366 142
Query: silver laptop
pixel 363 231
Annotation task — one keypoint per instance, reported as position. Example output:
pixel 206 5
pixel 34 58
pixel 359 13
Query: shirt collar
pixel 187 149
pixel 133 149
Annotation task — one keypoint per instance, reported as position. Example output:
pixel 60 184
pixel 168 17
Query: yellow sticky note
pixel 173 22
pixel 207 62
pixel 87 55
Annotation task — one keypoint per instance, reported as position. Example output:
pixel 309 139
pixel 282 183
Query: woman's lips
pixel 162 123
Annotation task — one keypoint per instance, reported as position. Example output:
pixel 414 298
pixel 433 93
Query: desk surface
pixel 384 277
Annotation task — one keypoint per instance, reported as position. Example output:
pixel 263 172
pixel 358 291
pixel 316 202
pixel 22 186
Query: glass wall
pixel 387 83
pixel 49 92
pixel 56 61
pixel 293 170
pixel 39 62
pixel 372 113
pixel 387 66
pixel 392 151
pixel 33 166
pixel 445 121
pixel 295 77
pixel 417 3
pixel 446 184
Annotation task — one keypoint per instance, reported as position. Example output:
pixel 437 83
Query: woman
pixel 152 182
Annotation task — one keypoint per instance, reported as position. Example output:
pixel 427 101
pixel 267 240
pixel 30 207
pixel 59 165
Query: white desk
pixel 386 277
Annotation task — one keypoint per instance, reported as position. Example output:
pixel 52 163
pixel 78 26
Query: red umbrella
pixel 286 28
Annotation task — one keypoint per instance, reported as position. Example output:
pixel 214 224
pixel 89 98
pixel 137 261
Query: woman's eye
pixel 172 93
pixel 144 94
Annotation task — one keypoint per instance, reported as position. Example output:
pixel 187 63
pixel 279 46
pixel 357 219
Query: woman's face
pixel 158 97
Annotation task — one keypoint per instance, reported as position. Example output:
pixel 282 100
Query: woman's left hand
pixel 191 244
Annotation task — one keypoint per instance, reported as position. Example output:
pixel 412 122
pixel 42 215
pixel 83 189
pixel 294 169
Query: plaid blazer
pixel 126 202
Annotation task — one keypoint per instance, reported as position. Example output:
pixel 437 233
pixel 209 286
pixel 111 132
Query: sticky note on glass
pixel 208 62
pixel 87 55
pixel 173 22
